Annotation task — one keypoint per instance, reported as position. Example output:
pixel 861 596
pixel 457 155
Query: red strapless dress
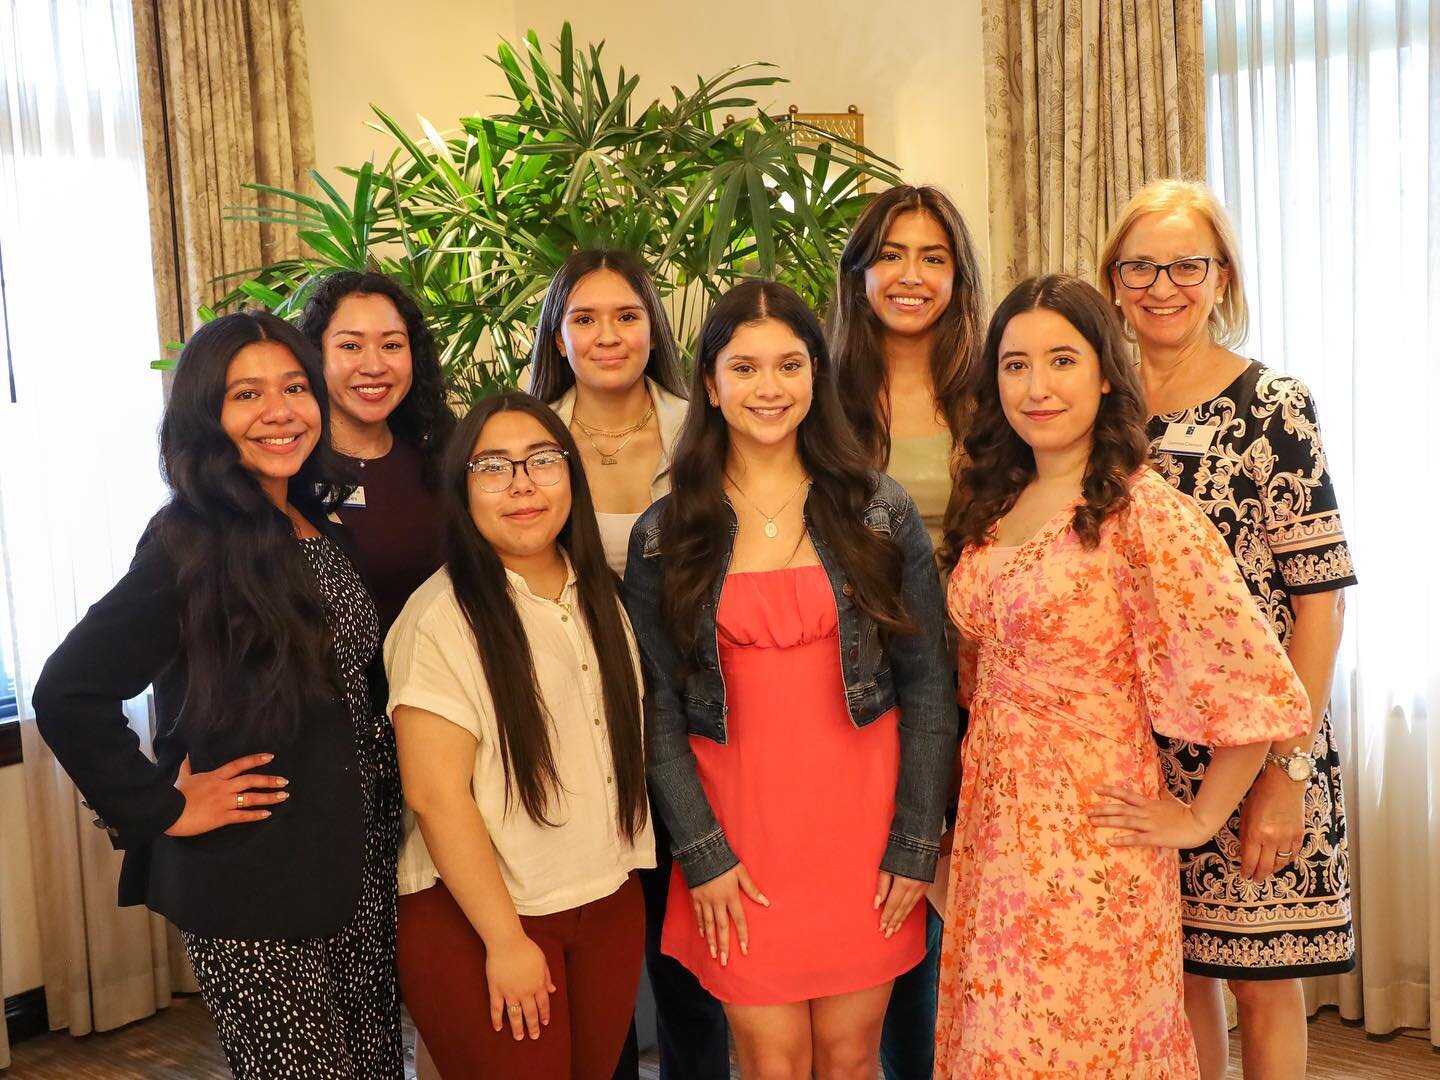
pixel 805 800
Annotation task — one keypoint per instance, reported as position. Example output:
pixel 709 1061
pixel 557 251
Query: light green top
pixel 921 465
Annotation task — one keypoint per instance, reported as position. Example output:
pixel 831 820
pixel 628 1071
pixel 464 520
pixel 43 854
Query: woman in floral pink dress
pixel 1098 605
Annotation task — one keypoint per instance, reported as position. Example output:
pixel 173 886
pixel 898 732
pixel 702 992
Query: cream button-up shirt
pixel 432 664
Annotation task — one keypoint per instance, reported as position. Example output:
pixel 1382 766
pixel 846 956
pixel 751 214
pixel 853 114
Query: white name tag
pixel 356 499
pixel 1192 439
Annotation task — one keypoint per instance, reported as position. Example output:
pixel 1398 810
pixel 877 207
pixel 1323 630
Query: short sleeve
pixel 432 664
pixel 1210 667
pixel 1300 512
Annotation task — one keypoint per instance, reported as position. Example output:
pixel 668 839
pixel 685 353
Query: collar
pixel 522 588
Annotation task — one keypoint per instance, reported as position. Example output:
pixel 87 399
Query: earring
pixel 714 404
pixel 1117 301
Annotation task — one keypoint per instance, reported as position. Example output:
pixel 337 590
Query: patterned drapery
pixel 1086 101
pixel 225 101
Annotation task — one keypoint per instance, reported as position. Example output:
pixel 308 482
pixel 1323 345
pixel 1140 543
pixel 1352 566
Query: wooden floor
pixel 179 1044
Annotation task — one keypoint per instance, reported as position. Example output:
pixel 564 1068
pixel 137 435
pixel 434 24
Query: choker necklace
pixel 771 529
pixel 624 434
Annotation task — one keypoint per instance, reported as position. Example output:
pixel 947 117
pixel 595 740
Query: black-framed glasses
pixel 1142 273
pixel 496 473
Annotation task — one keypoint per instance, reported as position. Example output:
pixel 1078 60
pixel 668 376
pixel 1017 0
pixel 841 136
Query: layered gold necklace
pixel 624 434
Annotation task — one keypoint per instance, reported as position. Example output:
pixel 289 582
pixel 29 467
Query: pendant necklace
pixel 771 529
pixel 628 433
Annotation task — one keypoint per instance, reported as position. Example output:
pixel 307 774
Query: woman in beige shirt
pixel 515 694
pixel 907 321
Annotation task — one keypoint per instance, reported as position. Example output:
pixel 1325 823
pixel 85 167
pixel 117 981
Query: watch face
pixel 1299 768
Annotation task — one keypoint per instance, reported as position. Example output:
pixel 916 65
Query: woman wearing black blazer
pixel 266 829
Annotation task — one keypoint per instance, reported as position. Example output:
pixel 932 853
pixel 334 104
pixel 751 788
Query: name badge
pixel 356 499
pixel 1192 439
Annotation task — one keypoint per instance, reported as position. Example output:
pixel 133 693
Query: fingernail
pixel 267 757
pixel 765 900
pixel 264 813
pixel 713 953
pixel 283 796
pixel 744 949
pixel 282 782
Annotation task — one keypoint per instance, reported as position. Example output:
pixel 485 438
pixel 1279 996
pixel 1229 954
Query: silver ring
pixel 1285 854
pixel 240 801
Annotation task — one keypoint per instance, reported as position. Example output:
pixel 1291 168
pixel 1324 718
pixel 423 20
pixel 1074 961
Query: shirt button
pixel 609 779
pixel 848 589
pixel 854 655
pixel 584 667
pixel 597 721
pixel 564 618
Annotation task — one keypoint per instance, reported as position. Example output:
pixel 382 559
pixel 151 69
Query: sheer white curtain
pixel 78 472
pixel 1324 143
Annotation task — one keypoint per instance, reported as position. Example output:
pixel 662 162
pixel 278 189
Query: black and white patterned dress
pixel 325 1008
pixel 1265 485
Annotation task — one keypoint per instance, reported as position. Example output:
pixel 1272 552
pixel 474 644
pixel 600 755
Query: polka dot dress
pixel 323 1008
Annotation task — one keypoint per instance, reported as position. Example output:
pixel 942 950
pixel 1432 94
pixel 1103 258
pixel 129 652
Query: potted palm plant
pixel 475 222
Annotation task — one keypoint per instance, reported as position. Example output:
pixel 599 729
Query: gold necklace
pixel 771 529
pixel 629 433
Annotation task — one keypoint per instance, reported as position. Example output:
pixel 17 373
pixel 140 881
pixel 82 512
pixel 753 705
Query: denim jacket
pixel 913 671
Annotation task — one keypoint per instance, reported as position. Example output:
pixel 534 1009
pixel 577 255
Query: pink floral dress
pixel 1062 952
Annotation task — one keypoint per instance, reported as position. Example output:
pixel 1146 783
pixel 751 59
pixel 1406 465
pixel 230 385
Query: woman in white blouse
pixel 515 694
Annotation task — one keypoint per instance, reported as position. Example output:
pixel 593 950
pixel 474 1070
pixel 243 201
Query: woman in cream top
pixel 516 698
pixel 605 360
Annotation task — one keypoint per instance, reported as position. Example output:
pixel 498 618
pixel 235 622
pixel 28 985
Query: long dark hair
pixel 695 520
pixel 1000 463
pixel 483 592
pixel 423 418
pixel 550 373
pixel 857 335
pixel 253 626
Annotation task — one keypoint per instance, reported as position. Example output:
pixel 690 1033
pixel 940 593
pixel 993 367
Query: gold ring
pixel 514 1008
pixel 240 801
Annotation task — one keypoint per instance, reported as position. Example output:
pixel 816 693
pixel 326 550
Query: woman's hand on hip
pixel 717 905
pixel 1165 822
pixel 898 895
pixel 520 986
pixel 229 795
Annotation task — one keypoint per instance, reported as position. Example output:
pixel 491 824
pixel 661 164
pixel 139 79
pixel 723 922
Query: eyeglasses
pixel 495 473
pixel 1141 273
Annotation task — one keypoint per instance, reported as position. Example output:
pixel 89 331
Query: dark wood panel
pixel 9 743
pixel 26 1015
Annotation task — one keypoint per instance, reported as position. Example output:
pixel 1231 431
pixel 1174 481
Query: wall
pixel 916 79
pixel 425 56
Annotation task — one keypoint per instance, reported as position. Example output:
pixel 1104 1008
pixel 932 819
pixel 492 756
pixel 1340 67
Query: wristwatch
pixel 1297 765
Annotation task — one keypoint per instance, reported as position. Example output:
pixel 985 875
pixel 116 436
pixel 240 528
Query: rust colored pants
pixel 595 954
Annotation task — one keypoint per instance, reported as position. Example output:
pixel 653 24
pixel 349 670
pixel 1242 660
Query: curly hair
pixel 1000 464
pixel 423 419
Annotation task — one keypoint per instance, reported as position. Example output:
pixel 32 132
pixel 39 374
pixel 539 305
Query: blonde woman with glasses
pixel 1267 901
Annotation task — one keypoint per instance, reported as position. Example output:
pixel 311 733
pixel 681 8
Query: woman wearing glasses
pixel 1266 902
pixel 515 692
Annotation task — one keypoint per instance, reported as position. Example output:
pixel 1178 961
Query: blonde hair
pixel 1230 317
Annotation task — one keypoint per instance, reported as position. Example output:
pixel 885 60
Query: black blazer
pixel 295 874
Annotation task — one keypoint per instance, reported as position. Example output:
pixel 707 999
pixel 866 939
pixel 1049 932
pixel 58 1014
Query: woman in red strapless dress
pixel 800 713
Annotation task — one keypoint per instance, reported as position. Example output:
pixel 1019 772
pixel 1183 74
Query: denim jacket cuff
pixel 909 858
pixel 706 859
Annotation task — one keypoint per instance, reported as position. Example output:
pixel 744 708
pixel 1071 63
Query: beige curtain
pixel 225 101
pixel 1086 101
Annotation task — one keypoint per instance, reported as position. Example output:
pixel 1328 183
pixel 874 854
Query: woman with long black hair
pixel 515 688
pixel 247 616
pixel 801 721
